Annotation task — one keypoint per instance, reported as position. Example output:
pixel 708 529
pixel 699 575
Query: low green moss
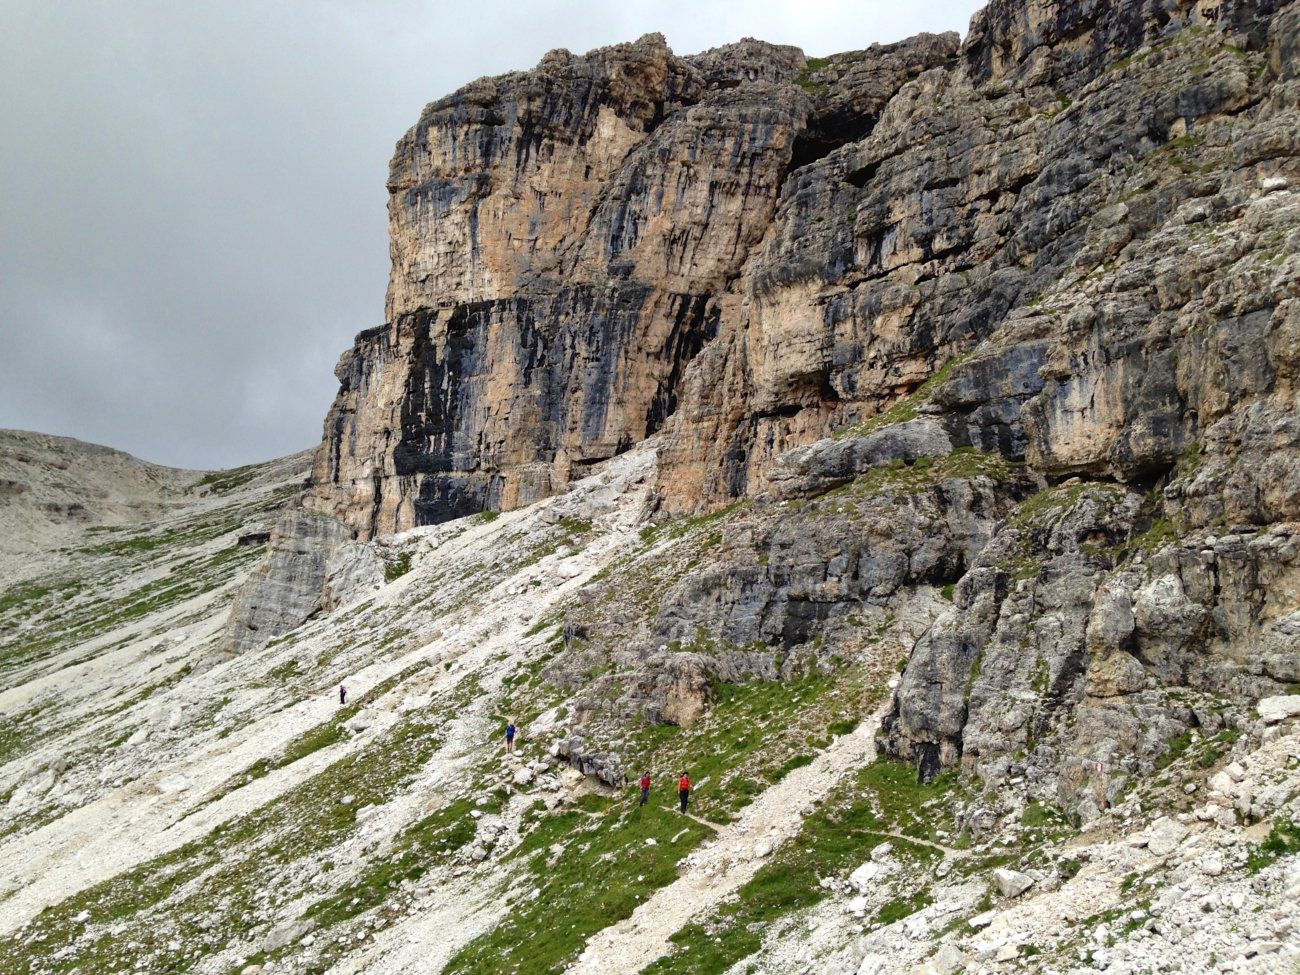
pixel 902 907
pixel 223 482
pixel 906 408
pixel 804 78
pixel 883 797
pixel 229 867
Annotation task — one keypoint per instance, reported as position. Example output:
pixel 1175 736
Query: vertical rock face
pixel 557 236
pixel 1065 142
pixel 1042 287
pixel 564 242
pixel 286 588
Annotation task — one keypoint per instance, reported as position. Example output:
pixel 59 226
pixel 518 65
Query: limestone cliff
pixel 755 249
pixel 920 434
pixel 563 241
pixel 1036 293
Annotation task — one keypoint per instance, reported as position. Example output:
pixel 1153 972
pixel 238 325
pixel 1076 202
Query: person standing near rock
pixel 645 788
pixel 343 694
pixel 684 790
pixel 510 737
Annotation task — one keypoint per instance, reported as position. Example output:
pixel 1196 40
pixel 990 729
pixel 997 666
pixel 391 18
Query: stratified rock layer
pixel 563 244
pixel 994 341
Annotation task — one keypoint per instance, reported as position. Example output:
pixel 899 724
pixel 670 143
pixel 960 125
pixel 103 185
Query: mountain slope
pixel 53 487
pixel 240 816
pixel 901 443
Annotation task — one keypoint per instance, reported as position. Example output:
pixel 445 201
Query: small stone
pixel 1012 883
pixel 864 877
pixel 948 960
pixel 1164 836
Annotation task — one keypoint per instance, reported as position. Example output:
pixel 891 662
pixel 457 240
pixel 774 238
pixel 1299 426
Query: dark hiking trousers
pixel 684 795
pixel 645 796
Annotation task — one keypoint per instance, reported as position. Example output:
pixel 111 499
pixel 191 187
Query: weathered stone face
pixel 1060 205
pixel 564 242
pixel 288 586
pixel 558 239
pixel 1011 322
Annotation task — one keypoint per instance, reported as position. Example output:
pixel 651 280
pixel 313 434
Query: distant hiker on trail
pixel 645 788
pixel 684 790
pixel 343 694
pixel 510 737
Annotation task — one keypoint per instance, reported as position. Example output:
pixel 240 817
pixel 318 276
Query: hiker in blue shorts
pixel 510 737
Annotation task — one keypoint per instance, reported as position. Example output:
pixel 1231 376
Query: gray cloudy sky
pixel 192 222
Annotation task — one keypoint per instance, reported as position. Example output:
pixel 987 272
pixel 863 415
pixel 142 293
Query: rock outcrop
pixel 1010 321
pixel 288 587
pixel 1056 204
pixel 753 249
pixel 564 241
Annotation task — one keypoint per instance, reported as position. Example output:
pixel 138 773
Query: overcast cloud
pixel 192 222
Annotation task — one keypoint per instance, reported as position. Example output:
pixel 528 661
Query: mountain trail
pixel 726 862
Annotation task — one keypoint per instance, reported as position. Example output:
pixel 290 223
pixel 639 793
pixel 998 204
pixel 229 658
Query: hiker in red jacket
pixel 684 790
pixel 645 788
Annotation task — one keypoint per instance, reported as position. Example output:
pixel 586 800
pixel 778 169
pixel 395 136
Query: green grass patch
pixel 804 78
pixel 607 868
pixel 901 907
pixel 227 867
pixel 1283 840
pixel 677 527
pixel 906 408
pixel 790 764
pixel 427 843
pixel 398 567
pixel 756 731
pixel 834 840
pixel 222 482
